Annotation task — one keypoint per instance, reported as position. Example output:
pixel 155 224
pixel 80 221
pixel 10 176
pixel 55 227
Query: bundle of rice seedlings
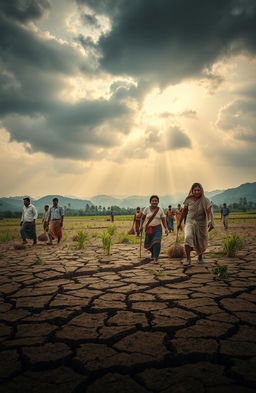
pixel 43 237
pixel 19 246
pixel 176 250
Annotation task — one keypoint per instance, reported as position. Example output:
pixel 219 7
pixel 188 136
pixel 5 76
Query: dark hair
pixel 137 208
pixel 196 185
pixel 26 199
pixel 170 206
pixel 46 205
pixel 153 196
pixel 55 199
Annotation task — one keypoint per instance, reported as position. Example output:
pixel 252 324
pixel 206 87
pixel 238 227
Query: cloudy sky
pixel 126 96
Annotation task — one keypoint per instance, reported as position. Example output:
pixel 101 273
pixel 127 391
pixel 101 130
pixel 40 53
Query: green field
pixel 96 225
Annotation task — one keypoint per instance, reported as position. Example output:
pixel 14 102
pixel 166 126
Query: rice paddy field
pixel 242 223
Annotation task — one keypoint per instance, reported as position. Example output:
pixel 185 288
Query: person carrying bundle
pixel 198 210
pixel 155 219
pixel 136 221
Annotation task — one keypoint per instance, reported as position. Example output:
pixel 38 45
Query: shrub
pixel 232 244
pixel 82 239
pixel 220 271
pixel 106 242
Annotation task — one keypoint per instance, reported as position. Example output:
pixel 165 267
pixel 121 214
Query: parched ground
pixel 79 321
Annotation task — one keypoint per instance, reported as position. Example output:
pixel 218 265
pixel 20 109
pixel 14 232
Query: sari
pixel 153 240
pixel 196 229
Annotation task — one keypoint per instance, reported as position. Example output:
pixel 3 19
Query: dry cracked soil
pixel 81 322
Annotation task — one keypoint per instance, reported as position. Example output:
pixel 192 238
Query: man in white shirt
pixel 28 221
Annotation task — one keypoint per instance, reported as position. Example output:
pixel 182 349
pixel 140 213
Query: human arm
pixel 22 217
pixel 210 219
pixel 62 216
pixel 165 225
pixel 35 215
pixel 183 214
pixel 143 217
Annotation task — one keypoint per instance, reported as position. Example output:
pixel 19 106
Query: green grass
pixel 111 230
pixel 215 254
pixel 6 236
pixel 106 242
pixel 38 261
pixel 232 244
pixel 221 271
pixel 82 239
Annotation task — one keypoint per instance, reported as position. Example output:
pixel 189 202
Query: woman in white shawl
pixel 199 220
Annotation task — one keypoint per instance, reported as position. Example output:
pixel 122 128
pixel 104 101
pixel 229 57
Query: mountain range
pixel 231 195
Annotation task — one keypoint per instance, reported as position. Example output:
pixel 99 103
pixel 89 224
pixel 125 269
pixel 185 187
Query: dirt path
pixel 78 321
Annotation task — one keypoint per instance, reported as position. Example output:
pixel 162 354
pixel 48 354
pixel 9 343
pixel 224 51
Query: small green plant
pixel 106 242
pixel 38 261
pixel 232 244
pixel 111 230
pixel 221 271
pixel 82 239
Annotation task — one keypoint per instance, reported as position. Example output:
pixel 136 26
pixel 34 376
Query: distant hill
pixel 231 195
pixel 70 203
pixel 15 204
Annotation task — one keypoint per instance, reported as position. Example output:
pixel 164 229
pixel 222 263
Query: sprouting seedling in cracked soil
pixel 220 271
pixel 38 261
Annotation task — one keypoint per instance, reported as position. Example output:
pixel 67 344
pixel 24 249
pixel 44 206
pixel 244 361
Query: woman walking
pixel 170 218
pixel 155 219
pixel 198 211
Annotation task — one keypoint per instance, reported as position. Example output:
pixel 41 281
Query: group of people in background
pixel 52 221
pixel 196 214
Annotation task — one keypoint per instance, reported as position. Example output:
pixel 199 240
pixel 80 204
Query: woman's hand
pixel 166 231
pixel 210 226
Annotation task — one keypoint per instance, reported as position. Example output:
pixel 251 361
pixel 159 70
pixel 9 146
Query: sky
pixel 126 97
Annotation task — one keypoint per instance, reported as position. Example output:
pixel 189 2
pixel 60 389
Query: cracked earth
pixel 79 321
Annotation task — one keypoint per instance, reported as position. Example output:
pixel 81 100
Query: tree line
pixel 242 205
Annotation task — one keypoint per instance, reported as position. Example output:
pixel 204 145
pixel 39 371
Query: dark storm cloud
pixel 167 41
pixel 239 117
pixel 21 48
pixel 90 20
pixel 72 131
pixel 24 10
pixel 32 77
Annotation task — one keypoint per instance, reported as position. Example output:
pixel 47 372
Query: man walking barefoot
pixel 28 221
